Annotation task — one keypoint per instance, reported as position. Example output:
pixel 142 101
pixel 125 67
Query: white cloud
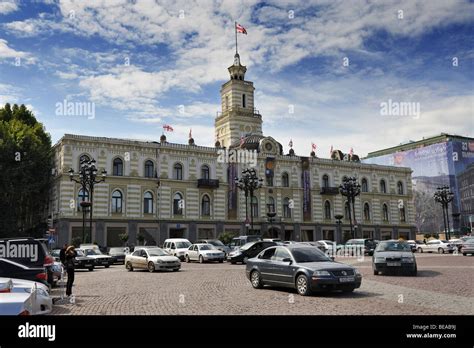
pixel 8 7
pixel 7 52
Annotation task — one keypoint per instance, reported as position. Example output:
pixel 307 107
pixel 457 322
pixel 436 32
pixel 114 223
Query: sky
pixel 325 72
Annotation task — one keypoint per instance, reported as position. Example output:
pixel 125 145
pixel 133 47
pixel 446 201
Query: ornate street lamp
pixel 87 178
pixel 271 218
pixel 350 188
pixel 248 183
pixel 444 196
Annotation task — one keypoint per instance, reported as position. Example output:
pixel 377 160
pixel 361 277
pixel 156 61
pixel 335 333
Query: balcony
pixel 329 190
pixel 208 183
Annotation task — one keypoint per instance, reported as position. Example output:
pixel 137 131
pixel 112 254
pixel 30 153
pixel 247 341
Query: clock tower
pixel 238 116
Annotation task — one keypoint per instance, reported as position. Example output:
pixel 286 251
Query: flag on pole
pixel 330 151
pixel 240 29
pixel 290 144
pixel 168 128
pixel 190 133
pixel 351 152
pixel 313 146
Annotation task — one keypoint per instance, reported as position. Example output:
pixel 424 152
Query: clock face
pixel 268 147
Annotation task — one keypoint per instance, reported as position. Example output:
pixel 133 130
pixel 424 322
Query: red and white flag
pixel 290 144
pixel 313 146
pixel 351 152
pixel 190 133
pixel 168 128
pixel 330 151
pixel 240 29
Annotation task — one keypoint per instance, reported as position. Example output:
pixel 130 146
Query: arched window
pixel 400 188
pixel 385 212
pixel 269 181
pixel 117 201
pixel 149 169
pixel 118 167
pixel 177 204
pixel 403 217
pixel 286 208
pixel 205 206
pixel 325 180
pixel 82 196
pixel 327 210
pixel 178 171
pixel 205 172
pixel 347 211
pixel 383 186
pixel 285 180
pixel 365 185
pixel 366 211
pixel 271 204
pixel 83 159
pixel 254 206
pixel 148 203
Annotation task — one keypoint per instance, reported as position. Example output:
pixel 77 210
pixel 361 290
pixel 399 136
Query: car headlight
pixel 159 261
pixel 379 259
pixel 356 271
pixel 321 273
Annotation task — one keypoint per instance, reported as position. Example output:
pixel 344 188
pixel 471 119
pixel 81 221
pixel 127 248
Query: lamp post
pixel 271 217
pixel 248 183
pixel 338 225
pixel 350 188
pixel 87 178
pixel 444 196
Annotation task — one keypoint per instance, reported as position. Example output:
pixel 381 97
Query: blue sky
pixel 178 53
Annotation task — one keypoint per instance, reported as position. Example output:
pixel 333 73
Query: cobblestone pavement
pixel 443 286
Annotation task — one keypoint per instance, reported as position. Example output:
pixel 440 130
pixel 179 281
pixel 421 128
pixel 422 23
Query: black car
pixel 248 251
pixel 118 254
pixel 30 252
pixel 81 261
pixel 12 269
pixel 368 245
pixel 301 267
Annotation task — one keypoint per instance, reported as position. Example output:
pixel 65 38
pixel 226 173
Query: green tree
pixel 226 237
pixel 25 167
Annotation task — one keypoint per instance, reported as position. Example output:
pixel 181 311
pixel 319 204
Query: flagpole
pixel 235 29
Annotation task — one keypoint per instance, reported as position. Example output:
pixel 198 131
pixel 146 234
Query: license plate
pixel 394 264
pixel 346 279
pixel 87 265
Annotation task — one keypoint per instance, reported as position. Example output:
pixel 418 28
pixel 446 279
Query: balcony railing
pixel 208 183
pixel 329 190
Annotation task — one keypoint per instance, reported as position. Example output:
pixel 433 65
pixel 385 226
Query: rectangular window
pixel 244 104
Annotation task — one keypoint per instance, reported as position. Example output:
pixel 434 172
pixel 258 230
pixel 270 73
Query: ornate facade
pixel 161 190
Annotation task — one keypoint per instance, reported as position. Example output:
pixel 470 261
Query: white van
pixel 177 247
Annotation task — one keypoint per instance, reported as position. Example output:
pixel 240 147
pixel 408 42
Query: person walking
pixel 62 254
pixel 70 256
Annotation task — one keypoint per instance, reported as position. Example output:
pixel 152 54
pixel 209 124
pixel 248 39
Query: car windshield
pixel 206 247
pixel 156 252
pixel 393 246
pixel 216 243
pixel 182 245
pixel 79 252
pixel 309 255
pixel 247 246
pixel 93 252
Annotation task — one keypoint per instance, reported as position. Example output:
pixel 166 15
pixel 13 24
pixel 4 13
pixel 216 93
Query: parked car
pixel 80 262
pixel 32 253
pixel 177 247
pixel 287 242
pixel 216 243
pixel 39 300
pixel 276 240
pixel 468 247
pixel 301 267
pixel 12 269
pixel 118 254
pixel 367 244
pixel 152 259
pixel 319 245
pixel 456 243
pixel 204 252
pixel 330 246
pixel 99 258
pixel 248 251
pixel 435 246
pixel 239 241
pixel 394 255
pixel 413 245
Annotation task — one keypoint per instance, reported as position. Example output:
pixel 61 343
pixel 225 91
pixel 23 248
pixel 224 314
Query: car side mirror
pixel 287 259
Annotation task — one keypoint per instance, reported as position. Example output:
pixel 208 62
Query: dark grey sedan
pixel 394 255
pixel 302 267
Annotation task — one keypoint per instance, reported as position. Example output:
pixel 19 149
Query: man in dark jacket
pixel 70 256
pixel 62 254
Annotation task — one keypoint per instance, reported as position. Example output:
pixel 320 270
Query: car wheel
pixel 256 280
pixel 232 262
pixel 464 254
pixel 188 260
pixel 129 267
pixel 221 261
pixel 91 269
pixel 151 267
pixel 244 261
pixel 302 285
pixel 348 290
pixel 107 266
pixel 414 272
pixel 440 251
pixel 376 272
pixel 420 250
pixel 201 259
